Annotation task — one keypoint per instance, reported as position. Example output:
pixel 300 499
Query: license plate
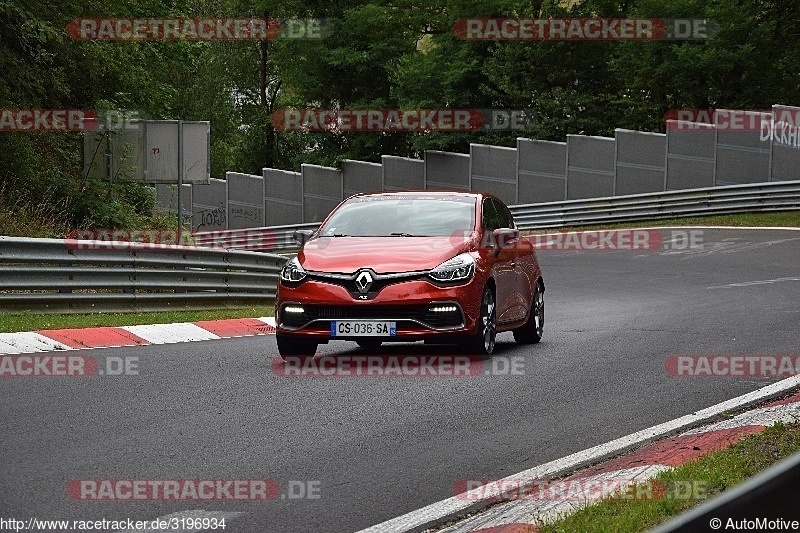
pixel 362 328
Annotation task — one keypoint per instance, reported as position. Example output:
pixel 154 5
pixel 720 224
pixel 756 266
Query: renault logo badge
pixel 364 282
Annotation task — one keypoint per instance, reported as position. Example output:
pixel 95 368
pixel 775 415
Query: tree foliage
pixel 374 54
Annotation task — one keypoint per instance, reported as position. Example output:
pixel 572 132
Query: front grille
pixel 419 313
pixel 342 312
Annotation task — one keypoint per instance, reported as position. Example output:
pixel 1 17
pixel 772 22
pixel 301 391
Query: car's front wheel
pixel 293 347
pixel 531 332
pixel 482 343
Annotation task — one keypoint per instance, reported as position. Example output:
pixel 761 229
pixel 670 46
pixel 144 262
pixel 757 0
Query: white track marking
pixel 766 416
pixel 28 342
pixel 269 320
pixel 758 282
pixel 171 333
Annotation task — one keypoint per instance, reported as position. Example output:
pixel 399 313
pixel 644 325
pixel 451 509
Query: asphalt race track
pixel 375 448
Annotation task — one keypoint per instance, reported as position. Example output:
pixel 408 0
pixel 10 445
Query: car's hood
pixel 384 255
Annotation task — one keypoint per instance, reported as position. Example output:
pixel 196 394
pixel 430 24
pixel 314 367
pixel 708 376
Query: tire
pixel 482 343
pixel 531 332
pixel 369 344
pixel 292 347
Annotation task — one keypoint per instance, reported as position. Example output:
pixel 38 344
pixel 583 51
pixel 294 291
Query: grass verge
pixel 10 323
pixel 705 477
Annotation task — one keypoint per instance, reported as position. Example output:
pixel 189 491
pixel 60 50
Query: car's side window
pixel 506 220
pixel 491 219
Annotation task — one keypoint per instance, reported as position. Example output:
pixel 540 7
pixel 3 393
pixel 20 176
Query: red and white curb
pixel 114 337
pixel 637 467
pixel 655 451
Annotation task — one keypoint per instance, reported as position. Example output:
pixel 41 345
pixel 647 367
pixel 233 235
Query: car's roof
pixel 465 194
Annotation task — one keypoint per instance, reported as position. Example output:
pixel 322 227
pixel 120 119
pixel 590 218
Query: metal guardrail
pixel 756 197
pixel 63 276
pixel 770 196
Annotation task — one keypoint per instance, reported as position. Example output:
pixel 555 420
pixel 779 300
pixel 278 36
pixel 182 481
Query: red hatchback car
pixel 443 267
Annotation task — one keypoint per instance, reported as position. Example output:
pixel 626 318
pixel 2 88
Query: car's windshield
pixel 401 216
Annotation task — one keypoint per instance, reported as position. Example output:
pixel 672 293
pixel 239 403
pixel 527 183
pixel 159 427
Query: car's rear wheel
pixel 482 343
pixel 293 347
pixel 369 344
pixel 531 332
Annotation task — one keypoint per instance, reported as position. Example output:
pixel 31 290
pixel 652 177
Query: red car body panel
pixel 512 269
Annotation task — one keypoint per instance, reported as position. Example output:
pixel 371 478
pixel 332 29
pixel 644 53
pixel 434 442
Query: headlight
pixel 292 272
pixel 459 268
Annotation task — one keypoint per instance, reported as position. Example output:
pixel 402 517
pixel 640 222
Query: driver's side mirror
pixel 302 236
pixel 504 238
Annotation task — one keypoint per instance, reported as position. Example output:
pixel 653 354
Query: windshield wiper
pixel 401 234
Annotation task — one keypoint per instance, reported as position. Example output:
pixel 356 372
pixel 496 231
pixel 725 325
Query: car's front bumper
pixel 420 309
